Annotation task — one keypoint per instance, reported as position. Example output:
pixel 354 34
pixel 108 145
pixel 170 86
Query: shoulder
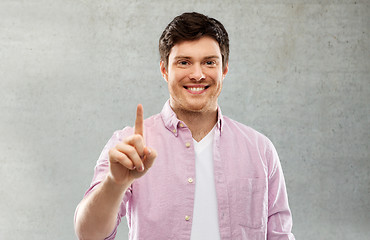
pixel 239 129
pixel 153 124
pixel 153 120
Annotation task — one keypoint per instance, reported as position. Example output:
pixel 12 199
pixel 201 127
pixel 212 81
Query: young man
pixel 212 178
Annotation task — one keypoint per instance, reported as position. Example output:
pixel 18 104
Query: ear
pixel 163 70
pixel 225 70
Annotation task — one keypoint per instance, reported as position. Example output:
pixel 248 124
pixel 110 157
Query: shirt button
pixel 187 218
pixel 187 144
pixel 174 130
pixel 190 180
pixel 181 125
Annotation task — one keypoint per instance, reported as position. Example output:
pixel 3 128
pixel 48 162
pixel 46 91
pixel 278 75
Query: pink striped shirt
pixel 250 187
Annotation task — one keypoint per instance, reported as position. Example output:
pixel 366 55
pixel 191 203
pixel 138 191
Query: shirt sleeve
pixel 102 169
pixel 279 225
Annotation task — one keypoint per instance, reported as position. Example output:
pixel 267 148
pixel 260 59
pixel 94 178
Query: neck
pixel 199 123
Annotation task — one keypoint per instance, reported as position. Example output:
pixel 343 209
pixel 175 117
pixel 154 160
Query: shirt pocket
pixel 252 202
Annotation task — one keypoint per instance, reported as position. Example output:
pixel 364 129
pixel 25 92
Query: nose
pixel 197 73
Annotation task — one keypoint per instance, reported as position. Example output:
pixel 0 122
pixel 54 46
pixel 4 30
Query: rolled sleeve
pixel 102 169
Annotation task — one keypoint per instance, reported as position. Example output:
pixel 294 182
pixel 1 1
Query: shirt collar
pixel 172 123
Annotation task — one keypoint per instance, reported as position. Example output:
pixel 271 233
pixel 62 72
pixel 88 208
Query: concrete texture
pixel 72 72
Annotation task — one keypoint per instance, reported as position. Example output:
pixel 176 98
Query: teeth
pixel 196 89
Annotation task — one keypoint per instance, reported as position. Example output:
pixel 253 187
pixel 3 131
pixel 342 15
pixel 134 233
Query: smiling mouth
pixel 196 89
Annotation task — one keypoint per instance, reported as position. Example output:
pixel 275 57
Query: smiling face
pixel 194 75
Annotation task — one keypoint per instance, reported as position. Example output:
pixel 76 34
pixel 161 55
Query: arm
pixel 97 213
pixel 130 159
pixel 279 226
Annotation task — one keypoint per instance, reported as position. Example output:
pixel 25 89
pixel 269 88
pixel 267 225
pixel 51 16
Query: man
pixel 212 178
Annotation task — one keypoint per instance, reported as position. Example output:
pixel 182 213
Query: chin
pixel 196 108
pixel 192 105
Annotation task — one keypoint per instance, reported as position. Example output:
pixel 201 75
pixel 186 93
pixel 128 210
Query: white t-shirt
pixel 205 217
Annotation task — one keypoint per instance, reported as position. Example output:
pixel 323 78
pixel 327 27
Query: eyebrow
pixel 182 57
pixel 186 57
pixel 214 56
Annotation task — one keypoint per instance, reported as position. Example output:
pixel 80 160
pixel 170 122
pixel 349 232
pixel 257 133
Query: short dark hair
pixel 193 26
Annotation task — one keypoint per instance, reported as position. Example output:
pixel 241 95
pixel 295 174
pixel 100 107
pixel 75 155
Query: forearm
pixel 130 159
pixel 97 213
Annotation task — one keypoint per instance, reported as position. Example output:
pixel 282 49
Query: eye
pixel 210 63
pixel 182 63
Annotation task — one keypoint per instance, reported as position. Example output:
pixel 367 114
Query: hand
pixel 131 159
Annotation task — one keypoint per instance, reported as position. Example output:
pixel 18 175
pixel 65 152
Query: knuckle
pixel 127 140
pixel 122 159
pixel 137 138
pixel 131 151
pixel 118 146
pixel 112 152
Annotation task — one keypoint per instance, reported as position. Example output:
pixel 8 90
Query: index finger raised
pixel 139 122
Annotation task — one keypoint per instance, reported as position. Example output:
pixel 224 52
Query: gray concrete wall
pixel 72 72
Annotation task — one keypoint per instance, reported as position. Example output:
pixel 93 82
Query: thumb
pixel 150 155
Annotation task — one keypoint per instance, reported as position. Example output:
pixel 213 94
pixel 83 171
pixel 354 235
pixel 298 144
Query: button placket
pixel 189 172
